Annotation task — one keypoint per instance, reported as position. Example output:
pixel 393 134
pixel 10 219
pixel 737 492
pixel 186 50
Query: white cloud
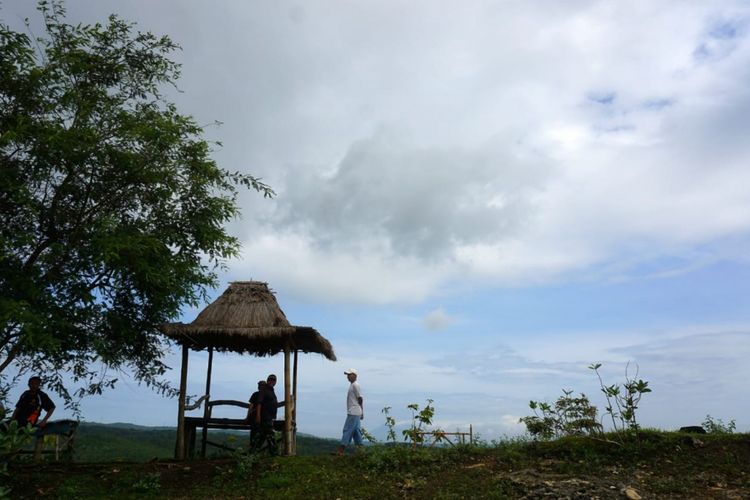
pixel 479 142
pixel 437 319
pixel 296 263
pixel 597 137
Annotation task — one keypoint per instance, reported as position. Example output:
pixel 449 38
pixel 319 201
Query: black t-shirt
pixel 269 405
pixel 254 398
pixel 30 405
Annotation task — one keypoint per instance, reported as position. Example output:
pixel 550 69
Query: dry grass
pixel 246 318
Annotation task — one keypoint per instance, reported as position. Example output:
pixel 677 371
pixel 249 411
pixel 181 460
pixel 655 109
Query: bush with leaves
pixel 420 419
pixel 568 416
pixel 12 439
pixel 717 426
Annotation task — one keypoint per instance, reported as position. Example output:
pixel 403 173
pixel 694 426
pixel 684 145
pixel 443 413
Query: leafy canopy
pixel 112 211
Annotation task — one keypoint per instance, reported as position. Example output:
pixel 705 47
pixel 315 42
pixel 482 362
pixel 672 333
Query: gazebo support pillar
pixel 179 451
pixel 294 404
pixel 287 402
pixel 204 435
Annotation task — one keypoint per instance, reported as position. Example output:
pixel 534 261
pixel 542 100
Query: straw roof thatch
pixel 247 319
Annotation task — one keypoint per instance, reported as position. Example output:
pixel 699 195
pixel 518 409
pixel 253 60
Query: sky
pixel 476 200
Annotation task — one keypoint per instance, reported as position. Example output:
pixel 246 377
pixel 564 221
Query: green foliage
pixel 569 416
pixel 623 401
pixel 369 437
pixel 420 419
pixel 390 423
pixel 12 439
pixel 244 464
pixel 112 211
pixel 717 426
pixel 148 484
pixel 576 416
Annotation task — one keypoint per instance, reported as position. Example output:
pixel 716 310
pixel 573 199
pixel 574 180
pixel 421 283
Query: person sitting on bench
pixel 30 405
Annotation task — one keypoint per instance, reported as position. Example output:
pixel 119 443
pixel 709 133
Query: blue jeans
pixel 352 430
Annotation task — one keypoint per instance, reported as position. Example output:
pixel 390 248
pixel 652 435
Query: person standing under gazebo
pixel 355 413
pixel 252 414
pixel 266 414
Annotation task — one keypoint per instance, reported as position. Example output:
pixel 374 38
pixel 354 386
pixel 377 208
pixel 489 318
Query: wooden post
pixel 287 403
pixel 206 412
pixel 471 435
pixel 179 450
pixel 294 403
pixel 38 447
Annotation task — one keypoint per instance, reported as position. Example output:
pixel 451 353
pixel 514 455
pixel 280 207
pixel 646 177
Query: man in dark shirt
pixel 30 405
pixel 266 414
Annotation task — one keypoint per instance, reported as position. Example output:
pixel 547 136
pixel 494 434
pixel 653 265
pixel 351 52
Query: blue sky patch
pixel 724 31
pixel 658 104
pixel 604 98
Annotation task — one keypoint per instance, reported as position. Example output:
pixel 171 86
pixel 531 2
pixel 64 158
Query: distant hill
pixel 135 443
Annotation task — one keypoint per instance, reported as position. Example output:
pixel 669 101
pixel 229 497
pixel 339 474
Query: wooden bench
pixel 207 421
pixel 60 433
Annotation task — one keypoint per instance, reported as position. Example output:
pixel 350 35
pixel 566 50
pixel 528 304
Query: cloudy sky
pixel 478 199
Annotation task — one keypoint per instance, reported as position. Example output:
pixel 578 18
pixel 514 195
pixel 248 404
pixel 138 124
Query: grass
pixel 657 465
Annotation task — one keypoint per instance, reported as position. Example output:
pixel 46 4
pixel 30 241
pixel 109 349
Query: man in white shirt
pixel 354 413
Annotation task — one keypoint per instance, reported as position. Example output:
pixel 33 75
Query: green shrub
pixel 717 426
pixel 569 416
pixel 420 419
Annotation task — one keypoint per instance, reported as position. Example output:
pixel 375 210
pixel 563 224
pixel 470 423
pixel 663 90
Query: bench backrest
pixel 224 402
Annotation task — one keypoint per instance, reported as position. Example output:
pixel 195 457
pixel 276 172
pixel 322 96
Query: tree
pixel 112 210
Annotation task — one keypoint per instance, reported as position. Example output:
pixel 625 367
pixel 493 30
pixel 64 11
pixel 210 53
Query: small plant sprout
pixel 623 401
pixel 390 423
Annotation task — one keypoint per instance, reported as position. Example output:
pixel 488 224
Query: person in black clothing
pixel 266 414
pixel 30 405
pixel 255 399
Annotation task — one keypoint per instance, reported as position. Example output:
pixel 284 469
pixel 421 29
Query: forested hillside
pixel 133 443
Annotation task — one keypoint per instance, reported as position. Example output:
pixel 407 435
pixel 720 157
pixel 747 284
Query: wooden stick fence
pixel 444 437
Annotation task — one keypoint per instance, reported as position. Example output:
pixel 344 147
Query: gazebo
pixel 245 319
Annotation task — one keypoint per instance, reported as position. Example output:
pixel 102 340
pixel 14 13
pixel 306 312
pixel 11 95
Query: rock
pixel 631 494
pixel 697 443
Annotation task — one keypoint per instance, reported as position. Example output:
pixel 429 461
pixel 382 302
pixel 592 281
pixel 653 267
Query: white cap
pixel 350 371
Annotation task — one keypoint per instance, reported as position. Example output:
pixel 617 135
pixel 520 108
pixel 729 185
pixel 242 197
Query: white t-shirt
pixel 352 403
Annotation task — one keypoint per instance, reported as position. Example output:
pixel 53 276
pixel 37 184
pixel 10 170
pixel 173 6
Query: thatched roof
pixel 246 318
